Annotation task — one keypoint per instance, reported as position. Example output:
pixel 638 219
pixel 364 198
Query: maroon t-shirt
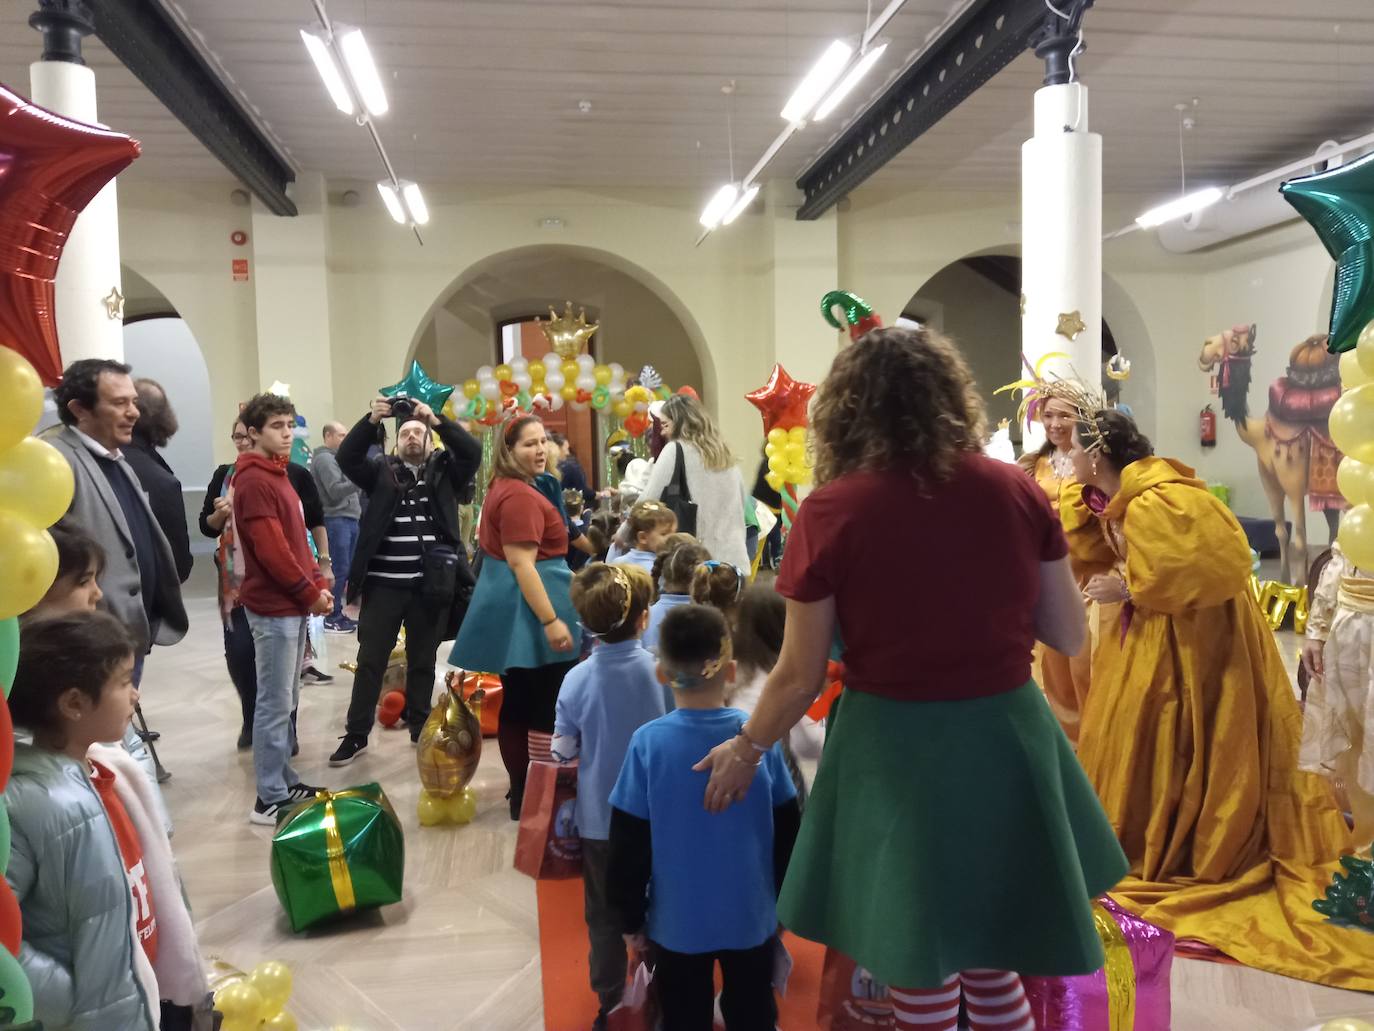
pixel 935 591
pixel 515 513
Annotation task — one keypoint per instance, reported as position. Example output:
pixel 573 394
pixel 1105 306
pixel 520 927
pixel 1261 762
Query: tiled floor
pixel 461 952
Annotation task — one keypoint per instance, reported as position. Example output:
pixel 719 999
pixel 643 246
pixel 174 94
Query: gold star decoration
pixel 1118 368
pixel 114 304
pixel 1070 324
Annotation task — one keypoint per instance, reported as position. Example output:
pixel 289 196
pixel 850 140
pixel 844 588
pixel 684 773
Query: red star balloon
pixel 782 400
pixel 50 169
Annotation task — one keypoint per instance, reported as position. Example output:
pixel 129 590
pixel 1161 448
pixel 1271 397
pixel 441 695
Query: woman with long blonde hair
pixel 713 479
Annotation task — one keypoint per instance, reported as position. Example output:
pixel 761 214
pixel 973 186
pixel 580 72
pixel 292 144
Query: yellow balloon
pixel 462 807
pixel 773 480
pixel 240 1003
pixel 283 1021
pixel 795 452
pixel 797 435
pixel 240 1025
pixel 778 464
pixel 777 436
pixel 569 392
pixel 471 388
pixel 1364 349
pixel 1356 536
pixel 430 810
pixel 537 371
pixel 35 482
pixel 1352 422
pixel 28 557
pixel 622 408
pixel 1347 1024
pixel 1355 480
pixel 571 370
pixel 273 982
pixel 1352 373
pixel 22 392
pixel 602 374
pixel 503 372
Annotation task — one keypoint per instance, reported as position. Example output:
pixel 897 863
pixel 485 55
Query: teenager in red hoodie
pixel 282 587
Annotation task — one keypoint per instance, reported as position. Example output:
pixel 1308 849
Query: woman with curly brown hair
pixel 951 836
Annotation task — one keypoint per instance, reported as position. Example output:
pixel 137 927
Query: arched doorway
pixel 976 302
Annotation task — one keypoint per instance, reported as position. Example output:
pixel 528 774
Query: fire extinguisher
pixel 1208 427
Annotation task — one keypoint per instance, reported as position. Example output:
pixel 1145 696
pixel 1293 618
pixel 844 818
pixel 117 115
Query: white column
pixel 1061 234
pixel 89 268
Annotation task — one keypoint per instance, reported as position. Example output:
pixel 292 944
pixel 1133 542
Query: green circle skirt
pixel 949 836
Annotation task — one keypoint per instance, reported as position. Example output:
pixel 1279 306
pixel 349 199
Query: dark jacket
pixel 383 479
pixel 164 498
pixel 570 472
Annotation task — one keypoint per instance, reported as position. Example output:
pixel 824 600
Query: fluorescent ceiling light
pixel 392 201
pixel 361 68
pixel 718 205
pixel 818 80
pixel 329 69
pixel 861 68
pixel 415 203
pixel 745 199
pixel 1182 206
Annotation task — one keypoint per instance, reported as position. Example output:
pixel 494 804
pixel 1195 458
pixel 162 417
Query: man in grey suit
pixel 98 406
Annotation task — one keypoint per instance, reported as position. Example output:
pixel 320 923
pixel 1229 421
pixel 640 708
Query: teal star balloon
pixel 1339 205
pixel 418 385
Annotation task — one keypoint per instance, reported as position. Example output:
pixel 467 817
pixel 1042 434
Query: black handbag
pixel 678 499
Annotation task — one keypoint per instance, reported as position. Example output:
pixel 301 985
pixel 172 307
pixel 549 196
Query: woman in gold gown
pixel 1064 679
pixel 1191 730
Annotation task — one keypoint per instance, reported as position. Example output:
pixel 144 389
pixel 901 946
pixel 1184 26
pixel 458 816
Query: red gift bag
pixel 851 1000
pixel 638 1008
pixel 547 846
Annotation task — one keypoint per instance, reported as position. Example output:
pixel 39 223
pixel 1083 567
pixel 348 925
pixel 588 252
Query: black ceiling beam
pixel 986 38
pixel 153 46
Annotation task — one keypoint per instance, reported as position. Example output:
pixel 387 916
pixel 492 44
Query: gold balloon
pixel 28 557
pixel 602 373
pixel 283 1021
pixel 450 746
pixel 1352 423
pixel 471 388
pixel 568 336
pixel 430 809
pixel 622 408
pixel 273 982
pixel 1356 481
pixel 22 392
pixel 1352 373
pixel 240 1003
pixel 537 370
pixel 462 807
pixel 1364 350
pixel 1356 536
pixel 1347 1024
pixel 36 482
pixel 569 392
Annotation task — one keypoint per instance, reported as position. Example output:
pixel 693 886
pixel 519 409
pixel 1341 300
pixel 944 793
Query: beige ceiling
pixel 488 90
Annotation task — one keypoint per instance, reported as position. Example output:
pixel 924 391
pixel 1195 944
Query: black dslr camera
pixel 402 407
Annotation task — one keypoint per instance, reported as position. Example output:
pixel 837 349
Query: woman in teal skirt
pixel 521 623
pixel 952 842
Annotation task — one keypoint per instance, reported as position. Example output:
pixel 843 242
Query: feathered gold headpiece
pixel 1039 390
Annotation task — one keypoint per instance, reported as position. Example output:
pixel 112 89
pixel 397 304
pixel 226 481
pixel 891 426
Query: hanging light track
pixel 344 61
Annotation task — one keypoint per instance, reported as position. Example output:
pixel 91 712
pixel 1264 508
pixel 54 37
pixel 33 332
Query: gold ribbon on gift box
pixel 1120 971
pixel 339 877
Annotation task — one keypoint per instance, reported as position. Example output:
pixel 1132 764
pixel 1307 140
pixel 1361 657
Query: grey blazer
pixel 96 509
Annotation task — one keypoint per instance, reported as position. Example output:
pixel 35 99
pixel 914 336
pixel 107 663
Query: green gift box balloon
pixel 338 853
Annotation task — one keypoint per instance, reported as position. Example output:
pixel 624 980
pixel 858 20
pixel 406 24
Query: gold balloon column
pixel 1352 430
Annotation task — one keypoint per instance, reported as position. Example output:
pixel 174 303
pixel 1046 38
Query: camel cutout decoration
pixel 1295 456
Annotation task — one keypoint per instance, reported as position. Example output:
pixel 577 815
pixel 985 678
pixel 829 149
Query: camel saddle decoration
pixel 1304 399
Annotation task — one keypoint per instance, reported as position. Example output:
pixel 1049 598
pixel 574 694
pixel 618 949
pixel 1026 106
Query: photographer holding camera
pixel 409 568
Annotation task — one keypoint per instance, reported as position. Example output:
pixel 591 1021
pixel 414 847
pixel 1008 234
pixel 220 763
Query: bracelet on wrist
pixel 760 749
pixel 548 622
pixel 325 560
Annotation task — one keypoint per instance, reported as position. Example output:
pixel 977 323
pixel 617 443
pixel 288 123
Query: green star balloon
pixel 1339 205
pixel 418 385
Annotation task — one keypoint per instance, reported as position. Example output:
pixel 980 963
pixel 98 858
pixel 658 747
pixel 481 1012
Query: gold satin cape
pixel 1190 737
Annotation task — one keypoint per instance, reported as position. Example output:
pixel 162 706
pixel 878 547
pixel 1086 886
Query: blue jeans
pixel 343 538
pixel 279 646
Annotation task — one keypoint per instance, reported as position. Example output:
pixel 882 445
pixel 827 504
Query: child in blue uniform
pixel 700 887
pixel 602 703
pixel 646 528
pixel 677 559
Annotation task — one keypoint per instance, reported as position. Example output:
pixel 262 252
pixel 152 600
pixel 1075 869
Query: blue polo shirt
pixel 712 885
pixel 603 701
pixel 657 611
pixel 636 557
